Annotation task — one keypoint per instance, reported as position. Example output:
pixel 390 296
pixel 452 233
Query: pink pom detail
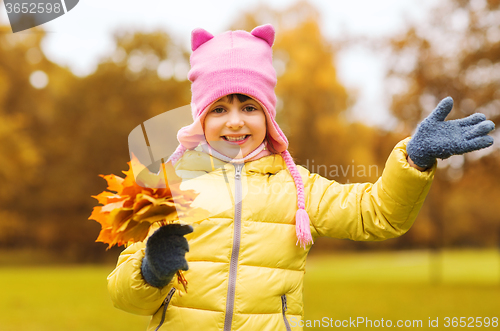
pixel 302 228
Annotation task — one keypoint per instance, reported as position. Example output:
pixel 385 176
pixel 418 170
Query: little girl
pixel 245 264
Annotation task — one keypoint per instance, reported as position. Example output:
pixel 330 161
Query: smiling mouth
pixel 235 139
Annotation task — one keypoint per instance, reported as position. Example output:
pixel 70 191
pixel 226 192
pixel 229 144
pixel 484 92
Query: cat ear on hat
pixel 199 36
pixel 265 32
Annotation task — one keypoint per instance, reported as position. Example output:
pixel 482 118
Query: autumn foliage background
pixel 55 141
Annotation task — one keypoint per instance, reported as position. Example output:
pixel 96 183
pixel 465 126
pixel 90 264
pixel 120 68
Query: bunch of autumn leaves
pixel 130 206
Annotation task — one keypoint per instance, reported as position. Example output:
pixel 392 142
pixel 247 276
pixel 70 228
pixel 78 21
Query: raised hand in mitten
pixel 165 254
pixel 437 138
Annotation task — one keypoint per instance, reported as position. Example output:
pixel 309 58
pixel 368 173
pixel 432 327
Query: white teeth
pixel 235 139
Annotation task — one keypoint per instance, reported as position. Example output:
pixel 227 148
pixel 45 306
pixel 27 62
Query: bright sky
pixel 79 38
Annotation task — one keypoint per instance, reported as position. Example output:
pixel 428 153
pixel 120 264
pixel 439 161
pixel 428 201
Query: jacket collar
pixel 194 160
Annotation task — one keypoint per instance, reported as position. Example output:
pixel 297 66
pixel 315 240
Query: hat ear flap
pixel 199 36
pixel 265 32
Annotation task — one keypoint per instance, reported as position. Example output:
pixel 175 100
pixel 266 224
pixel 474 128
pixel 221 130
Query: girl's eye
pixel 218 112
pixel 250 108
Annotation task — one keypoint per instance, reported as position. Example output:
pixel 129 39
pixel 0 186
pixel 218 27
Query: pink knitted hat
pixel 238 62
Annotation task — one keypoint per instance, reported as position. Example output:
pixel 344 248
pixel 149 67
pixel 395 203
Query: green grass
pixel 60 298
pixel 369 285
pixel 403 286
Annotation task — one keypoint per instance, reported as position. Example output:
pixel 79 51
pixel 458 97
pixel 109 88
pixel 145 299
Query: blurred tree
pixel 456 52
pixel 24 108
pixel 18 154
pixel 127 88
pixel 58 132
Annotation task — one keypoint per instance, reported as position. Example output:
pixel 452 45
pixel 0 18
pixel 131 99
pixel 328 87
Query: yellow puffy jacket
pixel 245 270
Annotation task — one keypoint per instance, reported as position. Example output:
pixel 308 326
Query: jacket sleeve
pixel 127 288
pixel 369 212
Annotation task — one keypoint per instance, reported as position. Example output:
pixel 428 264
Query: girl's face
pixel 235 120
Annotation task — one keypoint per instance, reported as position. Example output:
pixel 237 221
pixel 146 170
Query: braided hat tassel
pixel 302 223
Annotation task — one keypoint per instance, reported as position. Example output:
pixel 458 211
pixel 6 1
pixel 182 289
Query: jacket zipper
pixel 235 251
pixel 165 305
pixel 283 310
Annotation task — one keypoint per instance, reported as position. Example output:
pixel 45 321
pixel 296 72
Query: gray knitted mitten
pixel 437 138
pixel 165 254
